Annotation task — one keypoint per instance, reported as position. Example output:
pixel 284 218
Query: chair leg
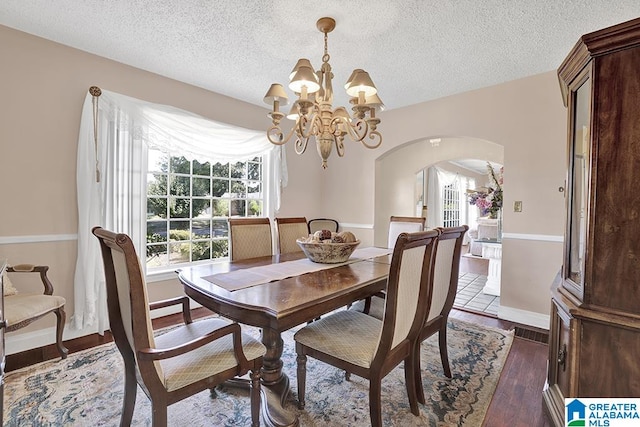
pixel 367 305
pixel 129 400
pixel 417 373
pixel 444 356
pixel 159 418
pixel 255 397
pixel 410 380
pixel 61 316
pixel 302 377
pixel 375 404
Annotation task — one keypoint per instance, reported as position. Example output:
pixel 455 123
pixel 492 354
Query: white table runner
pixel 247 277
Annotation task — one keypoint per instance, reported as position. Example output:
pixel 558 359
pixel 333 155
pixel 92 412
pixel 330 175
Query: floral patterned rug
pixel 86 389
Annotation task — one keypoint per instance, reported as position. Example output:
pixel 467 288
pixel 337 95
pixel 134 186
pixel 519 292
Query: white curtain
pixel 126 129
pixel 437 179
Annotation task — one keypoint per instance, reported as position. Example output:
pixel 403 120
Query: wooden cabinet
pixel 3 266
pixel 594 343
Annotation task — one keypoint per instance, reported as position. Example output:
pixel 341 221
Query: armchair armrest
pixel 151 354
pixel 184 300
pixel 30 268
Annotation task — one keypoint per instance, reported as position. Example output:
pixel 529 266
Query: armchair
pixel 181 362
pixel 21 309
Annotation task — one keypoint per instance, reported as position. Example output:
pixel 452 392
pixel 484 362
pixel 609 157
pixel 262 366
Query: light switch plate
pixel 517 206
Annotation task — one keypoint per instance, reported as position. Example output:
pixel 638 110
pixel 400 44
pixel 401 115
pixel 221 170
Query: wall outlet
pixel 517 206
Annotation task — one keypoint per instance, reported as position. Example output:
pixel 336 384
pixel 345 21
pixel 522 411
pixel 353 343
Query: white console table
pixel 493 252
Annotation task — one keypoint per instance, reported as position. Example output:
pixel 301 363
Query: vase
pixel 499 218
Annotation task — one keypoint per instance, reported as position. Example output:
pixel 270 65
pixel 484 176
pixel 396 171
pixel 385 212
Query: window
pixel 188 204
pixel 451 204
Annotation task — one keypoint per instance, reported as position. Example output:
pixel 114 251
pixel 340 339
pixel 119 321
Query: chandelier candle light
pixel 313 111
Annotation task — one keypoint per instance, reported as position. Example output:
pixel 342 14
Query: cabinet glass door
pixel 579 200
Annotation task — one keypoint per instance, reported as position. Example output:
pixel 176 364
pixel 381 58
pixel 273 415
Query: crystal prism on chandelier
pixel 313 111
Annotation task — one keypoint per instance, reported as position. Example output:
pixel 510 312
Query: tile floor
pixel 470 296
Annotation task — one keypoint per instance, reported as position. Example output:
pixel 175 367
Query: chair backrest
pixel 409 285
pixel 250 238
pixel 447 267
pixel 317 224
pixel 403 224
pixel 127 300
pixel 289 230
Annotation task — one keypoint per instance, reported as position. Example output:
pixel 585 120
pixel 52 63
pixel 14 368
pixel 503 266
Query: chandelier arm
pixel 306 126
pixel 276 136
pixel 301 144
pixel 358 130
pixel 334 128
pixel 376 137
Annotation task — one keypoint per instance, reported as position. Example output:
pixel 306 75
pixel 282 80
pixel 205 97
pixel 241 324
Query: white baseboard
pixel 524 317
pixel 16 342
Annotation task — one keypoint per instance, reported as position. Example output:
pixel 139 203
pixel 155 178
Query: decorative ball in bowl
pixel 327 252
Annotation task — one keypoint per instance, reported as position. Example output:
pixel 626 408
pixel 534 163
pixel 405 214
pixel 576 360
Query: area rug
pixel 86 389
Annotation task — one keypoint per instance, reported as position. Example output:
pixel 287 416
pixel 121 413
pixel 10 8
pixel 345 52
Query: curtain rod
pixel 95 91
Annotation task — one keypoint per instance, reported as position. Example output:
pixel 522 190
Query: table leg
pixel 274 383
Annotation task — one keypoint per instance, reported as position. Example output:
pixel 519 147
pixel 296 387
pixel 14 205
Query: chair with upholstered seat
pixel 368 347
pixel 403 224
pixel 250 238
pixel 289 230
pixel 21 309
pixel 317 224
pixel 445 286
pixel 397 225
pixel 181 362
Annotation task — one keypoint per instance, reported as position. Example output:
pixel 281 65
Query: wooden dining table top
pixel 283 304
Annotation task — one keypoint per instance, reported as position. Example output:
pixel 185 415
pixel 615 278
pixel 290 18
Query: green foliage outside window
pixel 188 203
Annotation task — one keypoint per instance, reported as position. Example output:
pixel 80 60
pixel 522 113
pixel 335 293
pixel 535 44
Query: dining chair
pixel 371 348
pixel 403 224
pixel 317 224
pixel 397 225
pixel 289 230
pixel 250 238
pixel 23 308
pixel 445 286
pixel 181 362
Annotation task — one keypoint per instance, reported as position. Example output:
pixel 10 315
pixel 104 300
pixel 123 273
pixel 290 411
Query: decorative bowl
pixel 328 253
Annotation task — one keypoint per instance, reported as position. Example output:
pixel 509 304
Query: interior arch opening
pixel 407 184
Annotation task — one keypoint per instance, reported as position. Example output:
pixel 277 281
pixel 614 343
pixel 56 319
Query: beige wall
pixel 43 86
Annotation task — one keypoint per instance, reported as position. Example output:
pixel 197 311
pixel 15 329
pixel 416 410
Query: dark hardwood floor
pixel 517 400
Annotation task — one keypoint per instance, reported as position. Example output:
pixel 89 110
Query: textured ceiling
pixel 414 50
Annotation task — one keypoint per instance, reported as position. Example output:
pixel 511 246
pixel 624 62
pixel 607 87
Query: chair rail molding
pixel 40 238
pixel 538 237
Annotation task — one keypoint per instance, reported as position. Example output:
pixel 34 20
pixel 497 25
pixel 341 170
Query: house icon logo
pixel 575 413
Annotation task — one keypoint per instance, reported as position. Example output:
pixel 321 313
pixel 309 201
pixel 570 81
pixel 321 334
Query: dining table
pixel 280 292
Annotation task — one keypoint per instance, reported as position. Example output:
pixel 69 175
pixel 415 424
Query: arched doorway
pixel 397 172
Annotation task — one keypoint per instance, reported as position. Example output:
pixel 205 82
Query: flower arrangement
pixel 488 199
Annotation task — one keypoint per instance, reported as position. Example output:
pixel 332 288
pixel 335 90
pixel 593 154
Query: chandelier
pixel 313 112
